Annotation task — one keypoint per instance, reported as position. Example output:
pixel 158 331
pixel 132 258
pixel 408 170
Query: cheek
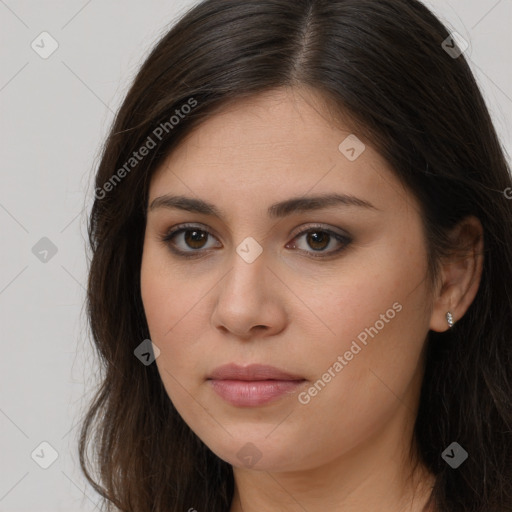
pixel 175 313
pixel 361 373
pixel 355 298
pixel 168 307
pixel 377 318
pixel 167 295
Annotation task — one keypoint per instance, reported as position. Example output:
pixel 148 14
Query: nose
pixel 250 300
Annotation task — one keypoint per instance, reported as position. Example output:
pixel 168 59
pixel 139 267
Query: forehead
pixel 276 144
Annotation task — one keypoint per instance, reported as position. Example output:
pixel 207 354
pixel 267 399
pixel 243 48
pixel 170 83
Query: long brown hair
pixel 383 63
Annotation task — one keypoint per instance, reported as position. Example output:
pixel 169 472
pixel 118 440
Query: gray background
pixel 54 115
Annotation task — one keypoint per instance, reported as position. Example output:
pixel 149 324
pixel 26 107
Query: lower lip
pixel 244 393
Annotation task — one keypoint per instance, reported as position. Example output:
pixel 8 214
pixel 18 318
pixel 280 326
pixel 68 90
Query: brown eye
pixel 195 238
pixel 188 241
pixel 318 240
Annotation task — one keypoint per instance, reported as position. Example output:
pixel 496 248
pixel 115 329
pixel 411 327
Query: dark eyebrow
pixel 276 210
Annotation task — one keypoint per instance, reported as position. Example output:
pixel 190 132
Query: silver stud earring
pixel 449 319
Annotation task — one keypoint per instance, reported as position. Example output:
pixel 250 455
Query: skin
pixel 348 447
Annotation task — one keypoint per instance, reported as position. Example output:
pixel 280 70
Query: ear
pixel 460 274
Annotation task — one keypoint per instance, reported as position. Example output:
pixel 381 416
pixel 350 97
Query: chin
pixel 260 454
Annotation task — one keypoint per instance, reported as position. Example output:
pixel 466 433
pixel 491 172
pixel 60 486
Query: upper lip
pixel 233 371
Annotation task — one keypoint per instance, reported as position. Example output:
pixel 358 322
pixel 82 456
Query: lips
pixel 252 372
pixel 253 385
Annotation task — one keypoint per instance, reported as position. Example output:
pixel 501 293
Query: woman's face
pixel 333 294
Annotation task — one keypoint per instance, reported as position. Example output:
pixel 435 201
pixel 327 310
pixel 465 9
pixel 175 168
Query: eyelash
pixel 167 240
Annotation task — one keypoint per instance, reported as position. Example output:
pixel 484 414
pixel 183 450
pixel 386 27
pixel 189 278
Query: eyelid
pixel 323 227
